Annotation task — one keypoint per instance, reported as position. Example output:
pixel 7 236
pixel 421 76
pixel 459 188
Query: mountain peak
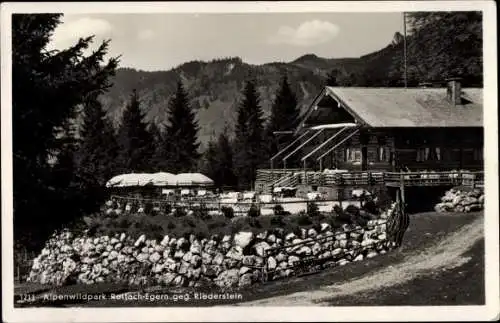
pixel 307 57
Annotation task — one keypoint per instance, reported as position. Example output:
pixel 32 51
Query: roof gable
pixel 413 107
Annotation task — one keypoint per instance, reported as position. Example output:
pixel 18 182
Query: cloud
pixel 145 34
pixel 68 33
pixel 309 33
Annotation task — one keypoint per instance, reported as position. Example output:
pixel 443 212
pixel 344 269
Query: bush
pixel 201 212
pixel 277 220
pixel 278 209
pixel 352 210
pixel 227 211
pixel 166 208
pixel 312 209
pixel 179 212
pixel 304 220
pixel 254 211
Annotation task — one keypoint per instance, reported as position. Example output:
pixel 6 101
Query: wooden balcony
pixel 393 179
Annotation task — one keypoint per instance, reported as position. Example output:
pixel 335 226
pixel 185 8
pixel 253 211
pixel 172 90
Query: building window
pixel 437 152
pixel 422 154
pixel 478 154
pixel 353 154
pixel 426 154
pixel 382 154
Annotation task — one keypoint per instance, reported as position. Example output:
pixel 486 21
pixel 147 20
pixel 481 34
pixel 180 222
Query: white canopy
pixel 124 180
pixel 193 179
pixel 155 179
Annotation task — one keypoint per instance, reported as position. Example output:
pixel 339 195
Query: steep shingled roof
pixel 413 107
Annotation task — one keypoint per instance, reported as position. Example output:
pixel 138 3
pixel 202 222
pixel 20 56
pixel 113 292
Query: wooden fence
pixel 465 178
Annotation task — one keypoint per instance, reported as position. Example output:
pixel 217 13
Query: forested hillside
pixel 439 45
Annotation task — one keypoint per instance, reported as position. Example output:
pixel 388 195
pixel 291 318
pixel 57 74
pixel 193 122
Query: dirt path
pixel 446 254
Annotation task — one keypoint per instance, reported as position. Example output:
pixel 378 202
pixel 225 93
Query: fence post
pixel 402 188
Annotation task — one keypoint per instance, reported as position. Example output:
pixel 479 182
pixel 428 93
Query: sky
pixel 162 41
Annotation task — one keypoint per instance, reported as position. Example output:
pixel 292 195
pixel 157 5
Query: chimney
pixel 454 90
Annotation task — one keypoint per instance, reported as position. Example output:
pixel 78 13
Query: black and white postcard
pixel 249 161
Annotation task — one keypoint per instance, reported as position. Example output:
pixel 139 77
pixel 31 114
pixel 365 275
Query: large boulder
pixel 261 248
pixel 245 280
pixel 243 239
pixel 140 240
pixel 235 253
pixel 228 278
pixel 271 263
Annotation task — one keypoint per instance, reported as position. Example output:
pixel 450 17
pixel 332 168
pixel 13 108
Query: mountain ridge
pixel 215 86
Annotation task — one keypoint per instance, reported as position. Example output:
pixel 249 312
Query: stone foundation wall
pixel 228 261
pixel 456 200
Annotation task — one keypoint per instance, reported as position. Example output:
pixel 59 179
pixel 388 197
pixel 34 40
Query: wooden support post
pixel 402 188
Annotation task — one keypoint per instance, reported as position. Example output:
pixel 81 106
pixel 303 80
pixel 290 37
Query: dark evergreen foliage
pixel 47 87
pixel 284 117
pixel 180 145
pixel 136 142
pixel 97 153
pixel 249 137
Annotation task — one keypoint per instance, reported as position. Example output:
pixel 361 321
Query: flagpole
pixel 404 51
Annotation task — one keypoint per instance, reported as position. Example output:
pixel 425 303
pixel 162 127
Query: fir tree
pixel 331 79
pixel 225 170
pixel 47 86
pixel 218 161
pixel 157 137
pixel 284 115
pixel 181 143
pixel 98 151
pixel 249 141
pixel 210 162
pixel 135 141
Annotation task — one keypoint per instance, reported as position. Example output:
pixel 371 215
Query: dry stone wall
pixel 226 261
pixel 456 200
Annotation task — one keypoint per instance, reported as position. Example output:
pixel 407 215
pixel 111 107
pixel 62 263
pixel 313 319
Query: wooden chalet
pixel 383 131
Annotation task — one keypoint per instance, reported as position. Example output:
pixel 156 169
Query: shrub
pixel 255 223
pixel 304 220
pixel 277 220
pixel 353 210
pixel 148 207
pixel 189 221
pixel 123 223
pixel 166 208
pixel 179 212
pixel 278 209
pixel 227 211
pixel 312 209
pixel 201 212
pixel 254 211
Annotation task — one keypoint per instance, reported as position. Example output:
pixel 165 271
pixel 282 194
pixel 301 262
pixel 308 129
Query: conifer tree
pixel 181 141
pixel 249 141
pixel 135 141
pixel 331 79
pixel 225 170
pixel 284 115
pixel 210 162
pixel 98 151
pixel 47 88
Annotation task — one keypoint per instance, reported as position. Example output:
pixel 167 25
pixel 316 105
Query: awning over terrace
pixel 142 179
pixel 161 179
